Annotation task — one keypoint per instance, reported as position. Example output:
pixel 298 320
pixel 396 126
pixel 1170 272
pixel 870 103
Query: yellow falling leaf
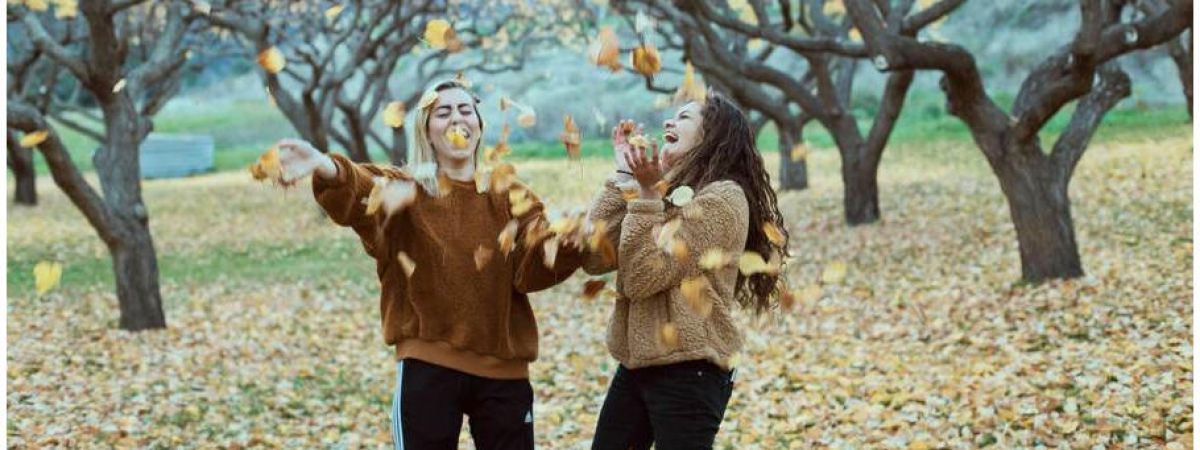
pixel 679 250
pixel 681 196
pixel 774 234
pixel 664 236
pixel 605 50
pixel 715 259
pixel 662 187
pixel 592 288
pixel 35 138
pixel 508 237
pixel 406 263
pixel 435 33
pixel 550 252
pixel 457 137
pixel 753 263
pixel 503 176
pixel 528 118
pixel 483 255
pixel 630 194
pixel 799 152
pixel 645 60
pixel 691 89
pixel 375 198
pixel 65 9
pixel 669 336
pixel 393 114
pixel 119 86
pixel 519 202
pixel 693 290
pixel 571 138
pixel 272 60
pixel 332 12
pixel 482 179
pixel 428 100
pixel 46 275
pixel 834 273
pixel 461 78
pixel 37 5
pixel 268 166
pixel 639 141
pixel 505 103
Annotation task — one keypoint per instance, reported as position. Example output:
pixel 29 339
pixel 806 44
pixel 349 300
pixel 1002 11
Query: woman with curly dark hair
pixel 691 216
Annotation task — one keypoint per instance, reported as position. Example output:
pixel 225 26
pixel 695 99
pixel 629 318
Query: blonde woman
pixel 453 303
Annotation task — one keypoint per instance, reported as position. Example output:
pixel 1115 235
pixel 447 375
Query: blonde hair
pixel 423 153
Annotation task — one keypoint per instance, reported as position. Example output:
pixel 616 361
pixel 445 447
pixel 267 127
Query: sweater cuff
pixel 645 206
pixel 344 166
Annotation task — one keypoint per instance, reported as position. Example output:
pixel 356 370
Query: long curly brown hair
pixel 726 151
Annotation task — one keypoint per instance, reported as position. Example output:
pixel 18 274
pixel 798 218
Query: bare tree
pixel 716 38
pixel 338 75
pixel 1179 48
pixel 1034 182
pixel 129 63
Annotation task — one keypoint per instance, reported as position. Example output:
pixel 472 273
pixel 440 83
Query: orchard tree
pixel 733 43
pixel 1083 71
pixel 332 71
pixel 128 61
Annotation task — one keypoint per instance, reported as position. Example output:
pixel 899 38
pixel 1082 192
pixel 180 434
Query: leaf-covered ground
pixel 927 342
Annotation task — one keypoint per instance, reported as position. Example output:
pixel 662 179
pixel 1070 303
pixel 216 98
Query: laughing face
pixel 454 127
pixel 681 133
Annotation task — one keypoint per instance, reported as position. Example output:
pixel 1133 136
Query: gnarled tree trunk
pixel 793 174
pixel 20 162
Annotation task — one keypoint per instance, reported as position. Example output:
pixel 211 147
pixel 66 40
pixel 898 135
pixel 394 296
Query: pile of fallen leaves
pixel 906 334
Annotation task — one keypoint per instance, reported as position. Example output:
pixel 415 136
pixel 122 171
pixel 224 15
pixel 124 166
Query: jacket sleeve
pixel 343 196
pixel 718 217
pixel 609 208
pixel 531 273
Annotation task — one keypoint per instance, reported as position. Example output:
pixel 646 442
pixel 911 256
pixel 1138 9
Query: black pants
pixel 430 401
pixel 677 406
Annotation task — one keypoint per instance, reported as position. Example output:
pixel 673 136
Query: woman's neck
pixel 460 170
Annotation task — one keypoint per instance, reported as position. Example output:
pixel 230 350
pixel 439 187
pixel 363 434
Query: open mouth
pixel 670 137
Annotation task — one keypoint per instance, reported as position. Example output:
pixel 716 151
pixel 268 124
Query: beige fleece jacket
pixel 648 279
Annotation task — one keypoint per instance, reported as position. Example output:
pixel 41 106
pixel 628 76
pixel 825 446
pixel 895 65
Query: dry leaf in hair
pixel 753 263
pixel 774 234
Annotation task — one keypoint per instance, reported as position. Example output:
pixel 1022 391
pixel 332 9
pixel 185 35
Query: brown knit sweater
pixel 648 279
pixel 449 313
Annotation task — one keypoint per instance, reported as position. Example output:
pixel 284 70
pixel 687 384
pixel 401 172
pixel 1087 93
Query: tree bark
pixel 1041 213
pixel 20 162
pixel 793 175
pixel 1183 62
pixel 135 262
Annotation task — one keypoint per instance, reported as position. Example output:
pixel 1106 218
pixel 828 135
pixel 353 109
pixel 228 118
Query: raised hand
pixel 646 170
pixel 298 159
pixel 620 141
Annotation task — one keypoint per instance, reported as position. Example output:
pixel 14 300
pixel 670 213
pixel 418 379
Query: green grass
pixel 302 261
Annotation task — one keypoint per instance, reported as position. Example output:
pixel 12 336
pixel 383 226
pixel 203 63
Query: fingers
pixel 654 154
pixel 629 162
